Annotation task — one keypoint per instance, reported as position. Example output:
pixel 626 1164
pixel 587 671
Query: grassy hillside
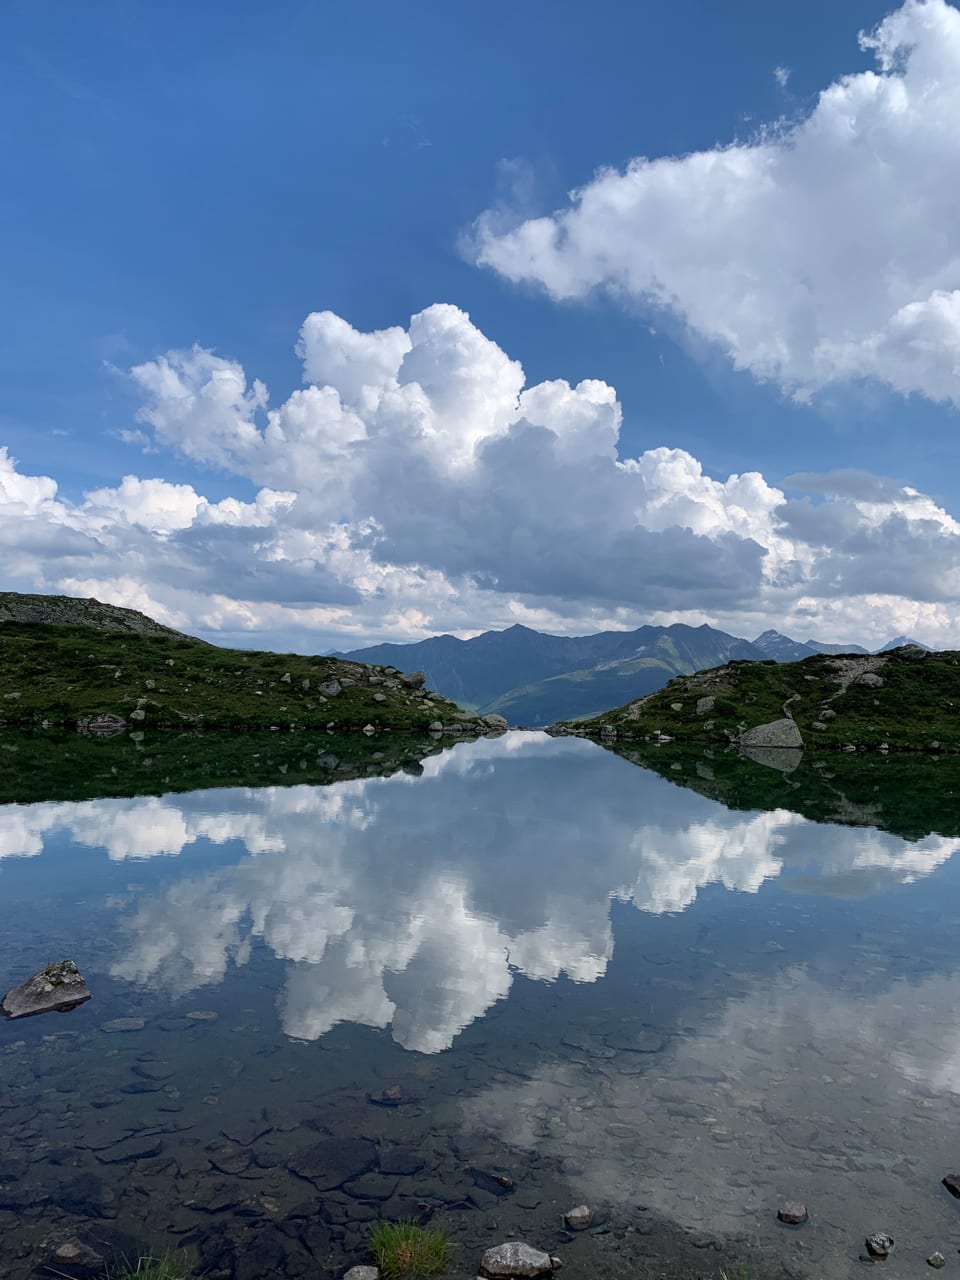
pixel 61 676
pixel 906 698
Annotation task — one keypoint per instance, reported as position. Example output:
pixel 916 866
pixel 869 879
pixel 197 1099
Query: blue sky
pixel 776 293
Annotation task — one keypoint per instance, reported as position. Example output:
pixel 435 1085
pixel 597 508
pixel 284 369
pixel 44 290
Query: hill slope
pixel 64 676
pixel 70 611
pixel 906 698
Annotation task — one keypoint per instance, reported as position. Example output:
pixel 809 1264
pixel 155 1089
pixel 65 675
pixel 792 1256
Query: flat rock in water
pixel 578 1219
pixel 117 1026
pixel 331 1163
pixel 793 1213
pixel 394 1096
pixel 56 989
pixel 78 1258
pixel 515 1259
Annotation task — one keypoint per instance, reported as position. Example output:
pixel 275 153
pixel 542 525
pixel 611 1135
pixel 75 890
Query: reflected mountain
pixel 415 902
pixel 909 795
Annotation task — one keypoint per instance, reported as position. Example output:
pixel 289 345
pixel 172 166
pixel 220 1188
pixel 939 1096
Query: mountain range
pixel 535 679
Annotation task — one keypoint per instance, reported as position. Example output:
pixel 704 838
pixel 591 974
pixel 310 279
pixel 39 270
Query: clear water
pixel 567 971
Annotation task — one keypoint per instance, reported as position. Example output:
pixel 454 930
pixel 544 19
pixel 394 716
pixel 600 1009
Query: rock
pixel 413 680
pixel 936 1260
pixel 705 704
pixel 515 1259
pixel 78 1258
pixel 775 733
pixel 362 1273
pixel 495 723
pixel 793 1213
pixel 676 706
pixel 869 679
pixel 369 730
pixel 435 727
pixel 130 1149
pixel 879 1245
pixel 578 1219
pixel 783 759
pixel 202 1015
pixel 819 725
pixel 285 678
pixel 394 1096
pixel 330 688
pixel 153 1070
pixel 952 1183
pixel 117 1025
pixel 56 988
pixel 496 1184
pixel 331 1163
pixel 608 732
pixel 379 697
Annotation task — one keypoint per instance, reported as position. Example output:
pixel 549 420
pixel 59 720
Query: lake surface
pixel 535 964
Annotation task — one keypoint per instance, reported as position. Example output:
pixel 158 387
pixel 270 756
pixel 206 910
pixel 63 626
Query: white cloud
pixel 824 250
pixel 782 76
pixel 430 489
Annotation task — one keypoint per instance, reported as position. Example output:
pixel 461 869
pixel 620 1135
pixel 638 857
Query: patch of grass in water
pixel 168 1267
pixel 407 1251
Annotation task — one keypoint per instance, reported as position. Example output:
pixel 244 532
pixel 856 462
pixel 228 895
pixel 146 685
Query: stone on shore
pixel 775 733
pixel 56 989
pixel 952 1183
pixel 879 1245
pixel 936 1260
pixel 515 1259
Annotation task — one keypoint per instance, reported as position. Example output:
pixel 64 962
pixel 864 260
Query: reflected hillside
pixel 70 766
pixel 909 796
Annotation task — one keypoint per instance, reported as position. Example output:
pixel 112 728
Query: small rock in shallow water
pixel 879 1245
pixel 578 1219
pixel 936 1260
pixel 515 1259
pixel 122 1024
pixel 952 1183
pixel 58 988
pixel 793 1213
pixel 202 1015
pixel 80 1258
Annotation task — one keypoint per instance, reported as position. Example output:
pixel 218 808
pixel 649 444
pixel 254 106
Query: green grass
pixel 917 705
pixel 170 1266
pixel 56 676
pixel 406 1251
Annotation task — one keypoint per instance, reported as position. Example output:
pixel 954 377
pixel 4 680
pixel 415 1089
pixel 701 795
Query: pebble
pixel 936 1260
pixel 793 1213
pixel 879 1245
pixel 578 1219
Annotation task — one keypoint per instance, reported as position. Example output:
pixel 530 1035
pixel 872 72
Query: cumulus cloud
pixel 824 250
pixel 426 487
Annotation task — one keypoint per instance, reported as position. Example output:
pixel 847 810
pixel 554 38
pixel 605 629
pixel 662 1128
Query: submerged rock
pixel 56 989
pixel 77 1258
pixel 793 1213
pixel 515 1259
pixel 578 1219
pixel 879 1245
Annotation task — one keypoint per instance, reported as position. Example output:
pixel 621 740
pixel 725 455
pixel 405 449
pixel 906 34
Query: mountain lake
pixel 524 976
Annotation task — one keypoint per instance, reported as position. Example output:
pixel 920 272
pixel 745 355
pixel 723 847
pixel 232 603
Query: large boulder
pixel 56 989
pixel 775 733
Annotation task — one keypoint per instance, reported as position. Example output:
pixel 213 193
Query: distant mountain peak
pixel 899 642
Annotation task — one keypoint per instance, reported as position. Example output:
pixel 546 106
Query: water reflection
pixel 412 903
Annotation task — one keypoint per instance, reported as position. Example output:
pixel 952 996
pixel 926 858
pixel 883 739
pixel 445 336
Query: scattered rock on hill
pixel 775 733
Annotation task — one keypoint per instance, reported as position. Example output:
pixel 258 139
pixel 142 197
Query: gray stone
pixel 793 1213
pixel 79 1258
pixel 435 727
pixel 784 759
pixel 952 1183
pixel 379 697
pixel 515 1259
pixel 879 1245
pixel 869 679
pixel 56 988
pixel 578 1219
pixel 936 1260
pixel 369 730
pixel 331 1163
pixel 413 680
pixel 495 723
pixel 705 704
pixel 362 1273
pixel 116 1025
pixel 330 688
pixel 775 733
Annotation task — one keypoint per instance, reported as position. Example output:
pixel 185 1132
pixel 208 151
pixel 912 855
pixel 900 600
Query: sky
pixel 332 324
